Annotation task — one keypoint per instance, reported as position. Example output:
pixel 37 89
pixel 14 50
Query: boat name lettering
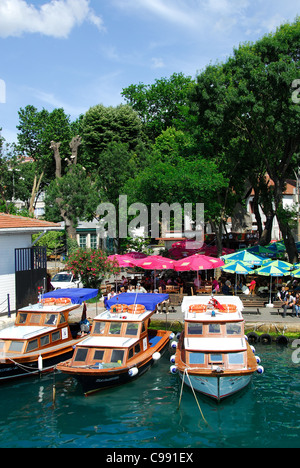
pixel 107 380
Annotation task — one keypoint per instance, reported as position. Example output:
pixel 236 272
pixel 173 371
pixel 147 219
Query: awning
pixel 77 295
pixel 150 301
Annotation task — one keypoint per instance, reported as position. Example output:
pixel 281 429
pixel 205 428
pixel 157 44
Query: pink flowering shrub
pixel 91 265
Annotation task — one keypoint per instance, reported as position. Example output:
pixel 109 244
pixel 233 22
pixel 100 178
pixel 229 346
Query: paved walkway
pixel 268 317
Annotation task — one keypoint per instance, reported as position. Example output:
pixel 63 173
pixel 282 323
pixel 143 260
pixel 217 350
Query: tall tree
pixel 162 104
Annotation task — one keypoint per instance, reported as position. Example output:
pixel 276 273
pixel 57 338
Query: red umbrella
pixel 198 262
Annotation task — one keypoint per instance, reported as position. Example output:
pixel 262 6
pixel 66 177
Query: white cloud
pixel 157 62
pixel 54 18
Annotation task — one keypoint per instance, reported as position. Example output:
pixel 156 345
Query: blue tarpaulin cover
pixel 150 301
pixel 77 295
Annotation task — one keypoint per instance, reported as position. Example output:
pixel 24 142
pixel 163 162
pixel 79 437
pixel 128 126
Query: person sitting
pixel 288 303
pixel 140 289
pixel 226 290
pixel 215 286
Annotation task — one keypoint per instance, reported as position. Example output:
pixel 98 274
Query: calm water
pixel 145 414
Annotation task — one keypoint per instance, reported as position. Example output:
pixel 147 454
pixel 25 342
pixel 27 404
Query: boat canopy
pixel 77 295
pixel 149 300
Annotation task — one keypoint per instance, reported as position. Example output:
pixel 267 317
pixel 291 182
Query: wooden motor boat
pixel 213 355
pixel 119 349
pixel 40 338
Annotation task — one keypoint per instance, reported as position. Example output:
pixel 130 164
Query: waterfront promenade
pixel 268 319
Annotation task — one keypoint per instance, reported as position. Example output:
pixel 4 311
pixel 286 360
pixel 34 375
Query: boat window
pixel 132 329
pixel 214 328
pixel 21 318
pixel 143 327
pixel 33 344
pixel 117 356
pixel 115 328
pixel 216 358
pixel 35 318
pixel 233 329
pixel 55 336
pixel 236 358
pixel 197 358
pixel 45 340
pixel 99 354
pixel 99 328
pixel 130 353
pixel 195 329
pixel 137 349
pixel 62 318
pixel 16 346
pixel 81 354
pixel 51 319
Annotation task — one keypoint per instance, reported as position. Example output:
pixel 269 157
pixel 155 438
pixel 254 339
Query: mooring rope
pixel 186 372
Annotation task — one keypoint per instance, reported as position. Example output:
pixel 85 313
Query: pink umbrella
pixel 198 262
pixel 135 255
pixel 123 260
pixel 155 262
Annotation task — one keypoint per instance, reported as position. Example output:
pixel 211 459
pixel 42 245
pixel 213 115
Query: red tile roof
pixel 8 221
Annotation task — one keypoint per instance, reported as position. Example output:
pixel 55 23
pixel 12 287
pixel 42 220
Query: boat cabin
pixel 202 350
pixel 118 337
pixel 36 327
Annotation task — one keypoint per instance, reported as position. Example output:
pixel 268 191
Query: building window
pixel 82 241
pixel 93 241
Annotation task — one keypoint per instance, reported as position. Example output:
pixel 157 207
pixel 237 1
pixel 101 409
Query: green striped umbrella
pixel 243 256
pixel 239 268
pixel 270 270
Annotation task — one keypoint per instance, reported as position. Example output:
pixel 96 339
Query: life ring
pixel 198 308
pixel 49 301
pixel 118 308
pixel 62 300
pixel 229 309
pixel 136 309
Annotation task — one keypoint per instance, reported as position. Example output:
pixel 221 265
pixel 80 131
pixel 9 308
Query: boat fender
pixel 40 363
pixel 282 340
pixel 173 369
pixel 246 337
pixel 178 335
pixel 133 371
pixel 258 360
pixel 265 339
pixel 260 370
pixel 156 356
pixel 174 344
pixel 172 359
pixel 252 337
pixel 172 336
pixel 253 349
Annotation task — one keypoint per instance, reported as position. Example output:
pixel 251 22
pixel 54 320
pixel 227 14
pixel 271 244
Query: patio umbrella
pixel 244 256
pixel 271 271
pixel 238 268
pixel 123 261
pixel 296 273
pixel 198 262
pixel 259 250
pixel 155 262
pixel 280 264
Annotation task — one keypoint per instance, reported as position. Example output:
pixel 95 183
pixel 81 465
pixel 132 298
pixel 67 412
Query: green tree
pixel 103 126
pixel 162 104
pixel 246 103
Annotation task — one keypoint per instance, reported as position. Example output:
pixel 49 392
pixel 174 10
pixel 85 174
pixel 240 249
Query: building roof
pixel 16 224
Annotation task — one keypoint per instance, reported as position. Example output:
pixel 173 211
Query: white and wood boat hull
pixel 217 387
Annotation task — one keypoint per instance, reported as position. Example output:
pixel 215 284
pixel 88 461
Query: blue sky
pixel 78 53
